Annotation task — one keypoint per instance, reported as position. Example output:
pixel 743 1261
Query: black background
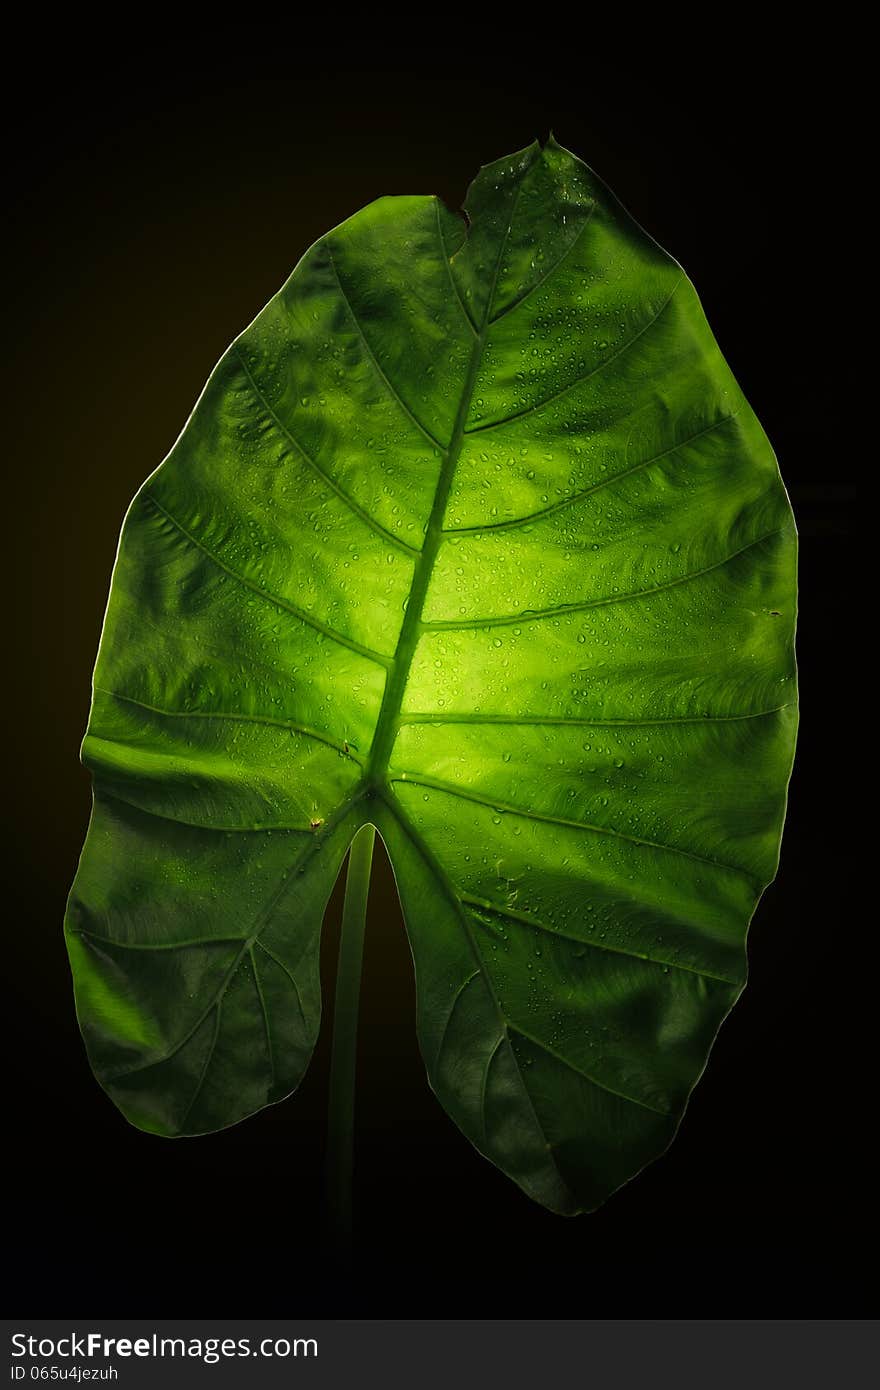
pixel 156 205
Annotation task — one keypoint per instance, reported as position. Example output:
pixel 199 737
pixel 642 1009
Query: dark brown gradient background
pixel 154 212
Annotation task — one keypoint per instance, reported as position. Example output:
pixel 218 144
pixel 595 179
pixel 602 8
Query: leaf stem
pixel 340 1111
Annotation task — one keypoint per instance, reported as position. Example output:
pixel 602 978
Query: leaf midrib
pixel 411 627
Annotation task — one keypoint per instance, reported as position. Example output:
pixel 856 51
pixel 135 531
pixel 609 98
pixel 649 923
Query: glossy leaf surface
pixel 473 536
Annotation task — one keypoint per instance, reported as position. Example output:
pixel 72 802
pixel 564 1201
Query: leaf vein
pixel 527 920
pixel 606 362
pixel 529 615
pixel 578 1071
pixel 201 825
pixel 483 1085
pixel 521 299
pixel 537 720
pixel 157 945
pixel 452 280
pixel 264 1011
pixel 299 613
pixel 322 473
pixel 204 1072
pixel 456 997
pixel 412 779
pixel 235 718
pixel 516 522
pixel 280 963
pixel 431 438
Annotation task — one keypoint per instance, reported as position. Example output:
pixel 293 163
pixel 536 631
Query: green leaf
pixel 471 536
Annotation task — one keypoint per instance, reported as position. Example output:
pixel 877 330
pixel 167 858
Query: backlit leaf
pixel 472 536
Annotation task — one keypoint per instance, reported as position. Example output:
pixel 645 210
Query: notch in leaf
pixel 473 538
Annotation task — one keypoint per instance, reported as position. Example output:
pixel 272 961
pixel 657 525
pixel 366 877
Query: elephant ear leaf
pixel 473 537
